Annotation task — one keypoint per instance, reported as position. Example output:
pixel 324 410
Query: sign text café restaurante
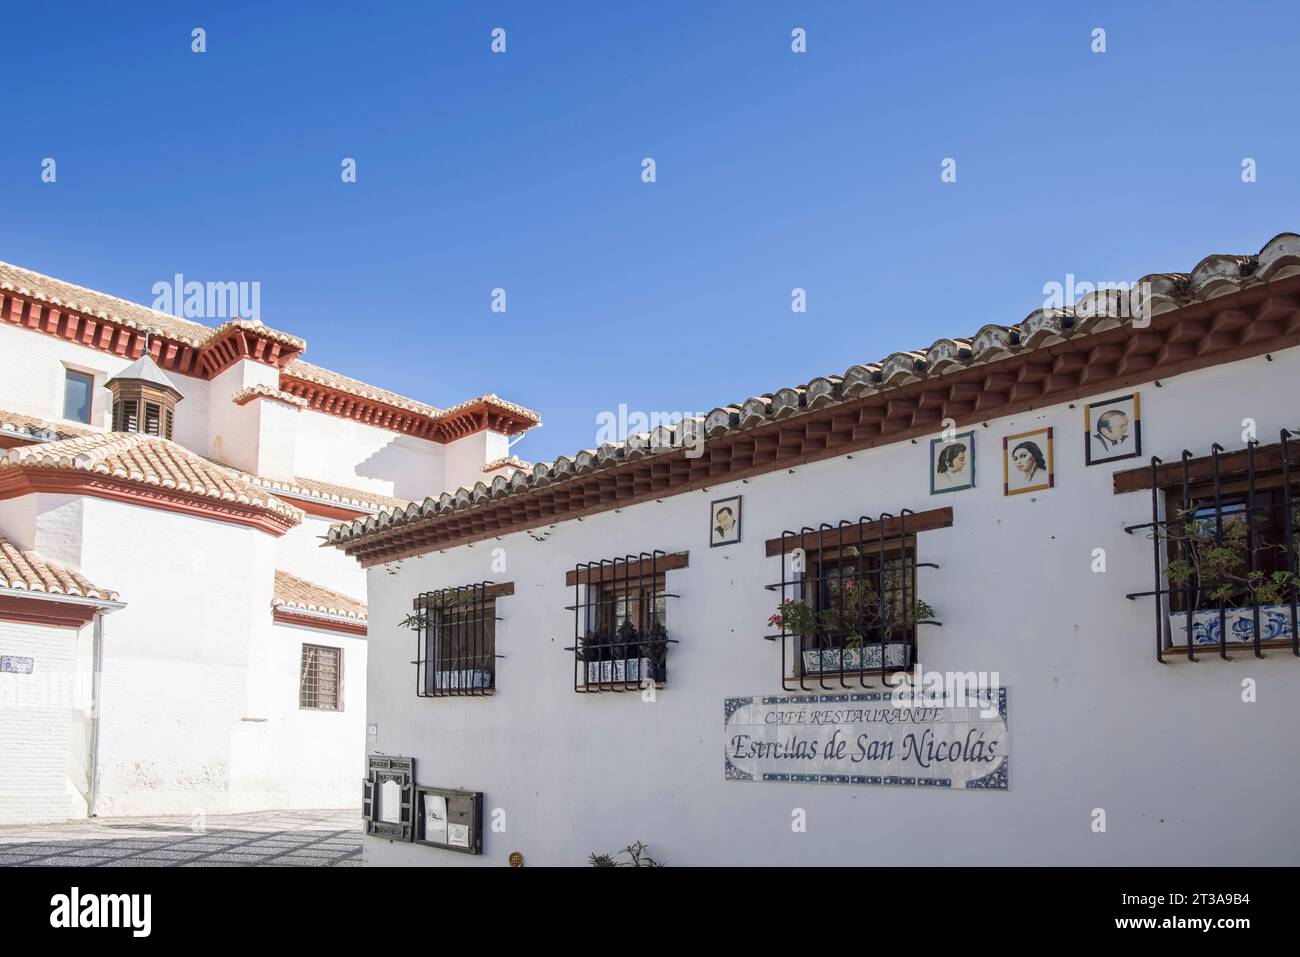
pixel 1081 530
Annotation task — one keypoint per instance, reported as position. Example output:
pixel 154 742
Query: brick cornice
pixel 287 616
pixel 39 610
pixel 442 428
pixel 16 481
pixel 1225 329
pixel 117 338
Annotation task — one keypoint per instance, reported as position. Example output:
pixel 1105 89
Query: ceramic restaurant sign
pixel 868 738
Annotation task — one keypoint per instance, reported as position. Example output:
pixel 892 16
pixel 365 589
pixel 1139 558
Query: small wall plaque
pixel 16 665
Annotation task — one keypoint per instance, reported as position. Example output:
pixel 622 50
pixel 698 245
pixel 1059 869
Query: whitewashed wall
pixel 368 458
pixel 1186 772
pixel 466 457
pixel 32 373
pixel 318 757
pixel 299 552
pixel 42 745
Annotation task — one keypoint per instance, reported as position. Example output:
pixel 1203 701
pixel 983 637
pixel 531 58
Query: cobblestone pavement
pixel 261 839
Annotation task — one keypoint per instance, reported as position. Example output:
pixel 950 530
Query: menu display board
pixel 449 818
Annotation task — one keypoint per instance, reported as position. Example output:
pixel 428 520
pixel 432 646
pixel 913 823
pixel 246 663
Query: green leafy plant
pixel 627 641
pixel 794 617
pixel 854 610
pixel 596 646
pixel 654 646
pixel 636 857
pixel 1218 569
pixel 446 604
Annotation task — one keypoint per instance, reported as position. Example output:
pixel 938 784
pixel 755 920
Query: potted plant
pixel 854 617
pixel 1214 569
pixel 624 655
pixel 654 652
pixel 596 651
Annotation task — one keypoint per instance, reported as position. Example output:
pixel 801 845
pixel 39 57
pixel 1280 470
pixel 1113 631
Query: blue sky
pixel 774 170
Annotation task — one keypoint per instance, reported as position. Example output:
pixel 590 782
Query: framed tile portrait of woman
pixel 952 463
pixel 1028 462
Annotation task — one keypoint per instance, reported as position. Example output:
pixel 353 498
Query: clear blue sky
pixel 522 170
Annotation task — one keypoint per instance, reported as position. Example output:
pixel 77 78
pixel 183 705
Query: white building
pixel 1096 740
pixel 173 637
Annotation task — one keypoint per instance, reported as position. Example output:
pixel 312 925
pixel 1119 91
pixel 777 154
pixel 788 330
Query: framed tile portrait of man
pixel 1112 429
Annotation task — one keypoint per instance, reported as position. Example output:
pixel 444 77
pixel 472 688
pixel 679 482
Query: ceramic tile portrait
pixel 1112 429
pixel 1028 462
pixel 952 463
pixel 724 521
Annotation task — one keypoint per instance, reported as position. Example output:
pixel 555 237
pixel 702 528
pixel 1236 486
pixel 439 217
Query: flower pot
pixel 854 659
pixel 623 669
pixel 462 678
pixel 1274 623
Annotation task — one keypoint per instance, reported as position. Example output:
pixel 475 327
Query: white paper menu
pixel 458 835
pixel 435 817
pixel 390 802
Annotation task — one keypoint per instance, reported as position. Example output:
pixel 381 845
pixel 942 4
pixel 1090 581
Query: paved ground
pixel 263 839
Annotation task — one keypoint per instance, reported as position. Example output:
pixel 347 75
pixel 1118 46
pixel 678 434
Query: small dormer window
pixel 144 400
pixel 78 395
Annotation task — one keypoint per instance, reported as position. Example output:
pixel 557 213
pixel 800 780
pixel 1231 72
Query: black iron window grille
pixel 849 605
pixel 620 622
pixel 456 646
pixel 1225 532
pixel 320 684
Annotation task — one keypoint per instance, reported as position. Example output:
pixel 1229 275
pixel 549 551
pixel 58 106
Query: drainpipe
pixel 95 697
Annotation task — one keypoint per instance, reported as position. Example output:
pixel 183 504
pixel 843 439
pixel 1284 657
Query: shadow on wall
pixel 414 472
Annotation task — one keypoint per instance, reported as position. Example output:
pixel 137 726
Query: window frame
pixel 69 374
pixel 303 691
pixel 602 660
pixel 1230 475
pixel 886 539
pixel 479 629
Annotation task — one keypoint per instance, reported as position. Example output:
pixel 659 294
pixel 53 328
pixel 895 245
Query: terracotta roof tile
pixel 130 314
pixel 40 430
pixel 136 316
pixel 328 492
pixel 1214 276
pixel 302 595
pixel 149 461
pixel 244 396
pixel 510 461
pixel 298 369
pixel 27 571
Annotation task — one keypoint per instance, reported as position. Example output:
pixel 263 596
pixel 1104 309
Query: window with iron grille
pixel 849 605
pixel 620 621
pixel 1225 532
pixel 456 647
pixel 321 684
